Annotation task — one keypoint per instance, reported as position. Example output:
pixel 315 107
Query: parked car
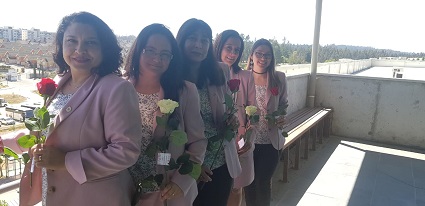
pixel 7 120
pixel 3 102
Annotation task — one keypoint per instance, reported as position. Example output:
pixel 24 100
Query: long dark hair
pixel 219 44
pixel 171 80
pixel 271 69
pixel 111 50
pixel 210 69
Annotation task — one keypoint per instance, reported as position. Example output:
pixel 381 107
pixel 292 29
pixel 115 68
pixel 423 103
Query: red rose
pixel 46 87
pixel 274 91
pixel 234 85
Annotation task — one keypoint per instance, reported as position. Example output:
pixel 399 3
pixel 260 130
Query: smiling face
pixel 231 51
pixel 156 55
pixel 196 46
pixel 262 57
pixel 81 47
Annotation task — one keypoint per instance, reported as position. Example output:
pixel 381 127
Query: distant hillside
pixel 301 53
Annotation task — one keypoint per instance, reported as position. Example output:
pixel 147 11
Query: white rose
pixel 250 110
pixel 167 106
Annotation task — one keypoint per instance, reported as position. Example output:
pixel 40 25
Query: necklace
pixel 75 87
pixel 259 72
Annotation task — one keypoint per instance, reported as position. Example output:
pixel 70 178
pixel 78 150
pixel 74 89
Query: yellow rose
pixel 250 110
pixel 167 106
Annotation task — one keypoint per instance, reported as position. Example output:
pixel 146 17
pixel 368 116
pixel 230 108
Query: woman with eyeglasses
pixel 154 67
pixel 221 164
pixel 271 95
pixel 228 47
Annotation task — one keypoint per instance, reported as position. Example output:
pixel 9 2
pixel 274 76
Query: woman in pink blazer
pixel 154 67
pixel 201 67
pixel 271 94
pixel 228 47
pixel 95 134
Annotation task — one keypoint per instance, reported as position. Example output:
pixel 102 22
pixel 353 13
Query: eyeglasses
pixel 164 56
pixel 262 55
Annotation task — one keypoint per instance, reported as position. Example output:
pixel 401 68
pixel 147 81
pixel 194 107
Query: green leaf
pixel 159 178
pixel 173 165
pixel 32 125
pixel 186 168
pixel 196 171
pixel 281 111
pixel 183 158
pixel 178 137
pixel 162 144
pixel 270 120
pixel 147 183
pixel 161 121
pixel 40 112
pixel 27 141
pixel 173 123
pixel 228 100
pixel 214 138
pixel 10 152
pixel 45 120
pixel 229 135
pixel 151 150
pixel 248 134
pixel 255 118
pixel 26 158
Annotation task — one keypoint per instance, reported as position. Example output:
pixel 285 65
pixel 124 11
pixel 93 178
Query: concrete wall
pixel 343 67
pixel 397 63
pixel 378 109
pixel 297 92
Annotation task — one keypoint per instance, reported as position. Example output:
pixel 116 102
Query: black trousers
pixel 217 191
pixel 258 193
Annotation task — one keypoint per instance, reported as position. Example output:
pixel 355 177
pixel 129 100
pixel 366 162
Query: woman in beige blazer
pixel 201 67
pixel 95 134
pixel 154 67
pixel 228 47
pixel 271 94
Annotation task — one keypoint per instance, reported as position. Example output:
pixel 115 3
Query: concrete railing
pixel 345 67
pixel 397 63
pixel 348 66
pixel 377 109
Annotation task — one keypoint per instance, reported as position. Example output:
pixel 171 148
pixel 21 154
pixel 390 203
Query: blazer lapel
pixel 77 99
pixel 268 92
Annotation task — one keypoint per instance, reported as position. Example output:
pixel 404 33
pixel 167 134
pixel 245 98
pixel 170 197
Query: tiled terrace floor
pixel 347 172
pixel 356 173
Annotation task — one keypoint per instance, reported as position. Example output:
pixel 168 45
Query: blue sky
pixel 383 24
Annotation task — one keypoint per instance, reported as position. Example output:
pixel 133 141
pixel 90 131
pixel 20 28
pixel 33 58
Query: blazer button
pixel 51 189
pixel 68 109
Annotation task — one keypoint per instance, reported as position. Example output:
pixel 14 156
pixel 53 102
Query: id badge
pixel 163 158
